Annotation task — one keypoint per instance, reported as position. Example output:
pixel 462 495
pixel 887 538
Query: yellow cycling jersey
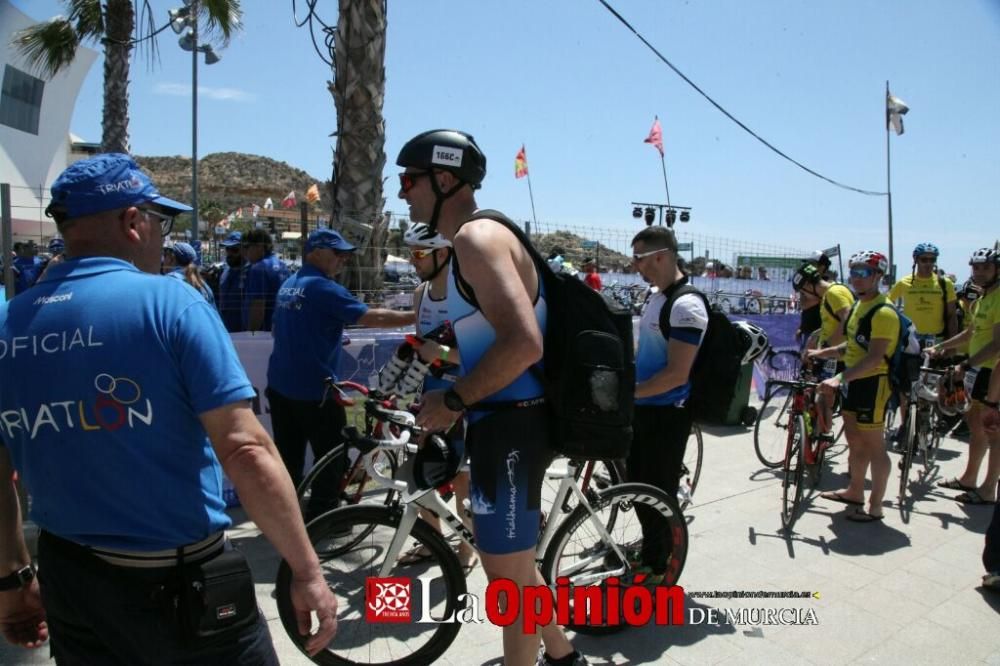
pixel 985 315
pixel 923 302
pixel 836 298
pixel 885 326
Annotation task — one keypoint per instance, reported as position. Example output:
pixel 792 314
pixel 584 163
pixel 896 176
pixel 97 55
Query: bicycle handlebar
pixel 799 385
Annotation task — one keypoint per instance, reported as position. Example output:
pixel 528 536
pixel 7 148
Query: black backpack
pixel 588 364
pixel 716 370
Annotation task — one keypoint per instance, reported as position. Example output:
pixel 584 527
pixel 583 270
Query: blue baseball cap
pixel 57 245
pixel 184 253
pixel 232 240
pixel 105 182
pixel 327 238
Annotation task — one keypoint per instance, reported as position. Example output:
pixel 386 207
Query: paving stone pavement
pixel 902 591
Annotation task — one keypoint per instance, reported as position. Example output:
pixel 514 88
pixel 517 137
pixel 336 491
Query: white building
pixel 35 113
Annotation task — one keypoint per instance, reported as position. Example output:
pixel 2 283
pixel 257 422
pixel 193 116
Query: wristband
pixel 443 354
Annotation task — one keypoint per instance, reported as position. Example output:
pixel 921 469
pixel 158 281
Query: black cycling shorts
pixel 981 385
pixel 866 398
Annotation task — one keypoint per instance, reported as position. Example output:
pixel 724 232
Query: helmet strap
pixel 439 201
pixel 439 267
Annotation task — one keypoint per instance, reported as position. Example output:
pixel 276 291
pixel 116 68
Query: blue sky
pixel 568 80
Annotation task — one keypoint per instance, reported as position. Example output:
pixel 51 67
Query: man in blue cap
pixel 122 454
pixel 231 283
pixel 265 274
pixel 310 313
pixel 27 266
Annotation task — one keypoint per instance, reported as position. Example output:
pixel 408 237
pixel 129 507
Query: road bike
pixel 579 546
pixel 921 435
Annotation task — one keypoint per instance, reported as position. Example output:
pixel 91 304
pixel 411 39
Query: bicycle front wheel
pixel 770 431
pixel 585 552
pixel 694 451
pixel 794 471
pixel 932 437
pixel 909 445
pixel 366 634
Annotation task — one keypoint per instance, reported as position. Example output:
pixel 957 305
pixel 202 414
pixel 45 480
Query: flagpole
pixel 888 185
pixel 663 163
pixel 531 194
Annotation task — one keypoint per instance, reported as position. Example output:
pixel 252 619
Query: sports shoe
pixel 991 580
pixel 545 660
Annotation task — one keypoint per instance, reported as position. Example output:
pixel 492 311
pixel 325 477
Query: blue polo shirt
pixel 230 301
pixel 205 291
pixel 26 273
pixel 108 437
pixel 264 278
pixel 309 317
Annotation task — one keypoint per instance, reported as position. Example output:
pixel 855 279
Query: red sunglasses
pixel 407 181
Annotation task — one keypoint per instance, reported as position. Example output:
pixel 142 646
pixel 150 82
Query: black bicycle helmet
pixel 436 462
pixel 806 274
pixel 447 150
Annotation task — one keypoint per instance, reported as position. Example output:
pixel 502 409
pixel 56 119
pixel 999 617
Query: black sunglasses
pixel 407 181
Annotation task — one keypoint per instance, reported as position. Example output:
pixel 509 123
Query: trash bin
pixel 740 411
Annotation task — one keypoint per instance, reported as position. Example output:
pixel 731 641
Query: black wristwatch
pixel 453 401
pixel 18 579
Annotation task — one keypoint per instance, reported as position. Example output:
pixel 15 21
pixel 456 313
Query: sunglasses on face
pixel 926 260
pixel 420 254
pixel 166 221
pixel 407 181
pixel 862 272
pixel 642 255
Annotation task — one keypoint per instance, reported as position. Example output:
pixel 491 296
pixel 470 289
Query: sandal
pixel 954 484
pixel 839 497
pixel 415 555
pixel 862 516
pixel 973 497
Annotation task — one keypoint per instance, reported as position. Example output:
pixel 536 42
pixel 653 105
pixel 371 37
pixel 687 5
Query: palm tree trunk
pixel 119 20
pixel 358 91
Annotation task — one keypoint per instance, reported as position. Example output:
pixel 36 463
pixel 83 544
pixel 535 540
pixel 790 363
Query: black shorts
pixel 866 398
pixel 981 385
pixel 508 455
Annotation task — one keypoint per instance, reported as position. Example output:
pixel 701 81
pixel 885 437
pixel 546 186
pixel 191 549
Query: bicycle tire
pixel 933 438
pixel 577 542
pixel 794 470
pixel 771 427
pixel 909 449
pixel 347 569
pixel 356 486
pixel 597 475
pixel 691 467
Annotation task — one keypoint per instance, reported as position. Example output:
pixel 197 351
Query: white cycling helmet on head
pixel 870 258
pixel 420 234
pixel 754 339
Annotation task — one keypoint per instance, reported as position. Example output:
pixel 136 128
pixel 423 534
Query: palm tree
pixel 358 90
pixel 51 46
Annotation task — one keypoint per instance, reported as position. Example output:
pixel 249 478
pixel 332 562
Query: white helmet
pixel 754 340
pixel 420 234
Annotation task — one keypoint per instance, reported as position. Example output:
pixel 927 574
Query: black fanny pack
pixel 216 597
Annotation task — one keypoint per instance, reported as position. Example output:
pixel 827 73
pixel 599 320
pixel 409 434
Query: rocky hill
pixel 232 180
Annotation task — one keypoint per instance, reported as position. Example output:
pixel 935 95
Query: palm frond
pixel 48 47
pixel 224 18
pixel 87 17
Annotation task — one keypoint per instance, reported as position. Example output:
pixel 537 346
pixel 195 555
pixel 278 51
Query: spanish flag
pixel 312 194
pixel 521 164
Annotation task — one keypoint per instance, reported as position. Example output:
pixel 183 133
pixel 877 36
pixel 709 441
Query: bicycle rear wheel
pixel 932 437
pixel 580 552
pixel 694 452
pixel 770 431
pixel 794 471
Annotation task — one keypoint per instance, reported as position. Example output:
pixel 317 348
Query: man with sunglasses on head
pixel 310 312
pixel 865 384
pixel 496 303
pixel 663 363
pixel 122 452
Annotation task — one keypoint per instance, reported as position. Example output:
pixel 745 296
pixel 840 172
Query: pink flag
pixel 289 201
pixel 656 135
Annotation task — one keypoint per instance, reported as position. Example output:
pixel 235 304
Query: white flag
pixel 895 109
pixel 268 205
pixel 256 210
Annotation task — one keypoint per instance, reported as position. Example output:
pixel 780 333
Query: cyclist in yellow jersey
pixel 927 298
pixel 867 386
pixel 983 337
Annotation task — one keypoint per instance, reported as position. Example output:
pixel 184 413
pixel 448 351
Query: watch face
pixel 453 401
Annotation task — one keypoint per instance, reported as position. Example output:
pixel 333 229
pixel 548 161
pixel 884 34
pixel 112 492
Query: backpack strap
pixel 829 308
pixel 865 328
pixel 944 305
pixel 673 292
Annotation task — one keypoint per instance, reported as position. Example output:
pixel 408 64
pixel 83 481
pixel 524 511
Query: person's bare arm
pixel 252 462
pixel 22 618
pixel 383 318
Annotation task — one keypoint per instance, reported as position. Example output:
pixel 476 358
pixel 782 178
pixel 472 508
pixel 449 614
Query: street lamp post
pixel 181 19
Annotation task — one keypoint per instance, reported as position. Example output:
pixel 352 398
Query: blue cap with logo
pixel 105 182
pixel 57 246
pixel 184 253
pixel 327 238
pixel 233 240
